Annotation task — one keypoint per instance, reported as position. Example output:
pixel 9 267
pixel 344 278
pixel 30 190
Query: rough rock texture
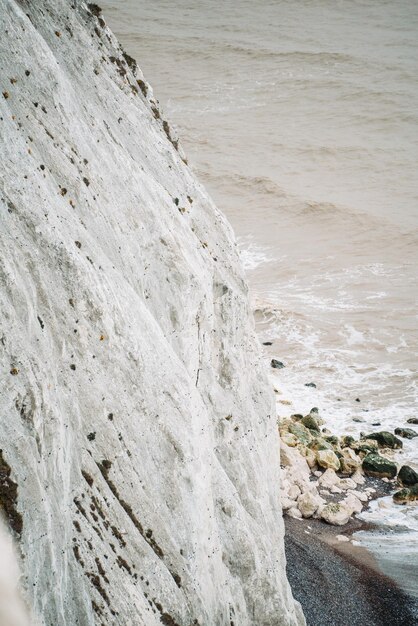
pixel 409 495
pixel 337 514
pixel 136 418
pixel 407 476
pixel 380 466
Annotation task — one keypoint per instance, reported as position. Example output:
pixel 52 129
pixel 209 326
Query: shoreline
pixel 341 584
pixel 337 580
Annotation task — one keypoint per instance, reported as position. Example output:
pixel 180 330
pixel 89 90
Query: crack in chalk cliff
pixel 104 468
pixel 199 349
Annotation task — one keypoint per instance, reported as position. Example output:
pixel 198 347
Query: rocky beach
pixel 327 481
pixel 329 477
pixel 340 583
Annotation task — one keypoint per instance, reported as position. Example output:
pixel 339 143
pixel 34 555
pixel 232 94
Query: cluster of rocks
pixel 324 476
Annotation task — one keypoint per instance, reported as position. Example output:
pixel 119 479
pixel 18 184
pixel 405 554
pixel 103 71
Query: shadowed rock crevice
pixel 8 497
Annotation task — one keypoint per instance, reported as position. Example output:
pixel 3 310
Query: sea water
pixel 301 119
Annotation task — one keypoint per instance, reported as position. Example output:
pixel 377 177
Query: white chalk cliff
pixel 140 459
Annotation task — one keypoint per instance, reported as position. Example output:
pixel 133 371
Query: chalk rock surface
pixel 137 429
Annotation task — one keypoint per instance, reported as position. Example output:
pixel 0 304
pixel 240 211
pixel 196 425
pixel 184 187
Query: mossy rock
pixel 310 422
pixel 332 439
pixel 407 433
pixel 347 441
pixel 385 439
pixel 365 446
pixel 407 476
pixel 319 443
pixel 336 513
pixel 8 497
pixel 284 423
pixel 301 432
pixel 407 495
pixel 376 465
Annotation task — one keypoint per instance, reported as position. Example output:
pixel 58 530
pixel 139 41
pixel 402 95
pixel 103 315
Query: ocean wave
pixel 208 47
pixel 315 56
pixel 252 255
pixel 298 205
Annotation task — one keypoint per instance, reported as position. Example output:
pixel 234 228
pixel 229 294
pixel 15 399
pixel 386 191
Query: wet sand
pixel 339 584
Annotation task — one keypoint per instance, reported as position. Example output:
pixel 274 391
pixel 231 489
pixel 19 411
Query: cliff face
pixel 140 462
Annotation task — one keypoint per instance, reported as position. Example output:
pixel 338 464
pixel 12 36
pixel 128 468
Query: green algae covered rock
pixel 409 495
pixel 407 476
pixel 407 433
pixel 311 422
pixel 365 446
pixel 347 441
pixel 319 443
pixel 376 465
pixel 301 432
pixel 385 439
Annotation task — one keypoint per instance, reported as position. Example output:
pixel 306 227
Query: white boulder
pixel 295 513
pixel 294 492
pixel 328 479
pixel 353 503
pixel 358 477
pixel 308 503
pixel 337 514
pixel 297 469
pixel 346 483
pixel 287 503
pixel 361 495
